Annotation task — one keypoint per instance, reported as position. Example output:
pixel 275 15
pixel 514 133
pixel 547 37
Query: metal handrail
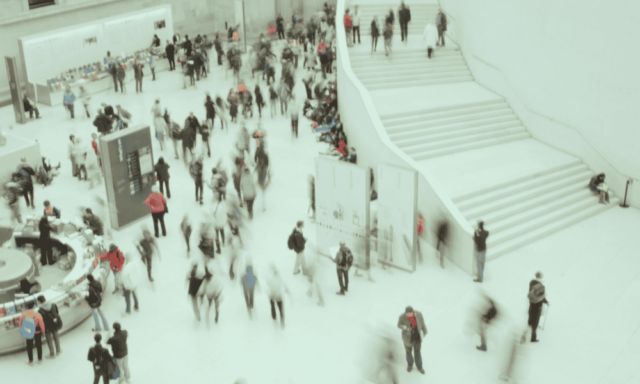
pixel 515 90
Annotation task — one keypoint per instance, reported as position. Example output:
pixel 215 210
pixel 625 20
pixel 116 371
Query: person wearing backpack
pixel 120 351
pixel 32 328
pixel 537 297
pixel 344 261
pixel 52 323
pixel 100 358
pixel 94 299
pixel 116 261
pixel 296 243
pixel 249 282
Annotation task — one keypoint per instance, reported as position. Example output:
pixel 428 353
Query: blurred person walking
pixel 147 246
pixel 219 222
pixel 212 289
pixel 441 23
pixel 72 149
pixel 404 17
pixel 487 315
pixel 375 33
pixel 195 169
pixel 248 189
pixel 198 272
pixel 130 274
pixel 158 206
pixel 276 287
pixel 249 283
pixel 162 175
pixel 430 36
pixel 313 274
pixel 185 227
pixel 442 234
pixel 67 100
pixel 413 330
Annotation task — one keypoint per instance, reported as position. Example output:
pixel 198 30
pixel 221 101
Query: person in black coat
pixel 375 33
pixel 170 50
pixel 259 100
pixel 46 251
pixel 537 297
pixel 298 246
pixel 162 172
pixel 480 238
pixel 404 16
pixel 442 233
pixel 188 135
pixel 441 23
pixel 210 107
pixel 280 26
pixel 99 357
pixel 187 45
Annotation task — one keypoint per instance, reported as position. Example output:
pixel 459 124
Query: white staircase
pixel 519 212
pixel 429 133
pixel 421 14
pixel 409 68
pixel 518 206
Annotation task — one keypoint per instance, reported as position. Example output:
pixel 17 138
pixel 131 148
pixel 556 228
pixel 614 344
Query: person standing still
pixel 413 330
pixel 51 318
pixel 441 23
pixel 537 297
pixel 480 238
pixel 36 327
pixel 162 174
pixel 297 244
pixel 94 299
pixel 356 24
pixel 158 206
pixel 170 50
pixel 116 262
pixel 343 260
pixel 99 358
pixel 375 33
pixel 248 190
pixel 348 26
pixel 404 17
pixel 72 155
pixel 294 112
pixel 120 351
pixel 196 169
pixel 46 245
pixel 121 74
pixel 280 26
pixel 138 74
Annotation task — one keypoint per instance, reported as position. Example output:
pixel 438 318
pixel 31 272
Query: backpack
pixel 291 242
pixel 53 315
pixel 98 361
pixel 536 293
pixel 94 295
pixel 28 328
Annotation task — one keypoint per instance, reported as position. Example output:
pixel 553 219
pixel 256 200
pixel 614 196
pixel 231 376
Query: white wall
pixel 567 69
pixel 366 133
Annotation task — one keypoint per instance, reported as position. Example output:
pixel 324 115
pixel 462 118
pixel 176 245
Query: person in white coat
pixel 93 170
pixel 430 36
pixel 159 123
pixel 81 158
pixel 130 273
pixel 219 222
pixel 275 291
pixel 356 24
pixel 212 289
pixel 72 155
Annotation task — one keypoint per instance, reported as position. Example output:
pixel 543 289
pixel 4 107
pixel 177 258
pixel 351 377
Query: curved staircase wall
pixel 585 107
pixel 366 133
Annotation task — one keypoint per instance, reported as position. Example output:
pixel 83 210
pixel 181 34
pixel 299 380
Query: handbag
pixel 166 209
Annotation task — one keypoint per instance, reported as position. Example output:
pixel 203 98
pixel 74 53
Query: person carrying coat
pixel 100 358
pixel 413 330
pixel 344 261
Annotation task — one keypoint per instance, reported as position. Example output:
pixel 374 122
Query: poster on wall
pixel 397 217
pixel 342 208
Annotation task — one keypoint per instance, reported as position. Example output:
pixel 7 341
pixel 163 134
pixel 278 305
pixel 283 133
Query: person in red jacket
pixel 348 25
pixel 116 261
pixel 158 205
pixel 37 318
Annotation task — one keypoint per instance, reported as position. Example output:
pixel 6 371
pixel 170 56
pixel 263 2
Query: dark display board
pixel 127 158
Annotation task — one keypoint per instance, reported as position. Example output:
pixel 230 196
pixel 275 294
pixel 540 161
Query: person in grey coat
pixel 413 330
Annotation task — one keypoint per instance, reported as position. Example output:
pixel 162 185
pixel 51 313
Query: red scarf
pixel 412 319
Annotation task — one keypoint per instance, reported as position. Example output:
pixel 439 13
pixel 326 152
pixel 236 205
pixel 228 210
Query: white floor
pixel 591 269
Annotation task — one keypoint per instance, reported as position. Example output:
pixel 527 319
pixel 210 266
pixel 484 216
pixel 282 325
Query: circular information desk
pixel 69 294
pixel 14 266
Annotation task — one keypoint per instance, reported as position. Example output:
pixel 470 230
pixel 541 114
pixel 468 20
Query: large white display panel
pixel 342 208
pixel 397 216
pixel 48 54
